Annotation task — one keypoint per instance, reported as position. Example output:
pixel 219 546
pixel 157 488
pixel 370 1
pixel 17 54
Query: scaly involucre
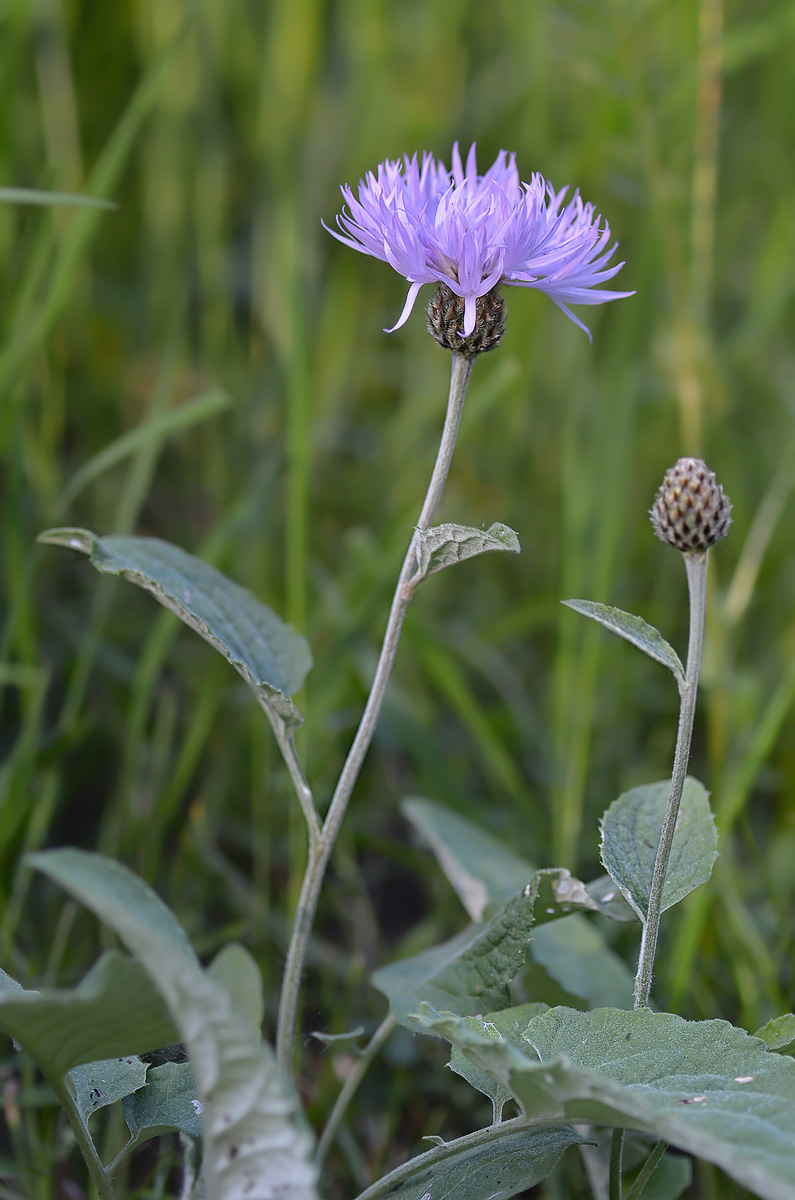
pixel 473 231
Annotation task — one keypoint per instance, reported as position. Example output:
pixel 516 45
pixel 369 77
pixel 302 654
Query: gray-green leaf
pixel 635 630
pixel 444 545
pixel 631 832
pixel 271 657
pixel 705 1087
pixel 99 1084
pixel 255 1142
pixel 509 1162
pixel 506 1025
pixel 169 1101
pixel 779 1034
pixel 62 1028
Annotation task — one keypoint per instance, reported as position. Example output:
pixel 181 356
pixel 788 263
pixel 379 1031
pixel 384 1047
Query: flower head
pixel 691 511
pixel 471 232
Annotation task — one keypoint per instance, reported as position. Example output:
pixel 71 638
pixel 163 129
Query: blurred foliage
pixel 223 131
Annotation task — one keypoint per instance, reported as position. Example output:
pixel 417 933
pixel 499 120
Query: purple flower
pixel 473 231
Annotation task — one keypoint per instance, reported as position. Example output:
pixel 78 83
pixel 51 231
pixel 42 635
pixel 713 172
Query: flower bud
pixel 691 511
pixel 444 319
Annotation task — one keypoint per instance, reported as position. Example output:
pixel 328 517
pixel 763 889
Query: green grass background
pixel 232 355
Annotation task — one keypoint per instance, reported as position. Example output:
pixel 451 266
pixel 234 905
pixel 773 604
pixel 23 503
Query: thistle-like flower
pixel 472 232
pixel 691 511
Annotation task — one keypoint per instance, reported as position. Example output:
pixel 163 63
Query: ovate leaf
pixel 509 1162
pixel 506 1025
pixel 61 1028
pixel 704 1086
pixel 635 630
pixel 271 657
pixel 443 545
pixel 99 1084
pixel 631 833
pixel 255 1143
pixel 471 973
pixel 168 1102
pixel 779 1034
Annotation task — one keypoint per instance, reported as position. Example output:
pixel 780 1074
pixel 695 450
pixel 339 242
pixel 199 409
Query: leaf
pixel 779 1034
pixel 631 832
pixel 482 870
pixel 13 195
pixel 235 970
pixel 444 545
pixel 99 1084
pixel 168 1102
pixel 271 657
pixel 507 1025
pixel 62 1028
pixel 704 1086
pixel 472 972
pixel 256 1146
pixel 610 899
pixel 508 1163
pixel 635 630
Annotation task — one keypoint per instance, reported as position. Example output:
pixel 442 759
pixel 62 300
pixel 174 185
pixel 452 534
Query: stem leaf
pixel 270 656
pixel 635 630
pixel 444 545
pixel 631 832
pixel 168 1102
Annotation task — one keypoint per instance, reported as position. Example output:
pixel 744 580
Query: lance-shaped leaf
pixel 62 1028
pixel 635 630
pixel 631 832
pixel 271 657
pixel 472 972
pixel 704 1086
pixel 485 873
pixel 256 1144
pixel 444 545
pixel 505 1162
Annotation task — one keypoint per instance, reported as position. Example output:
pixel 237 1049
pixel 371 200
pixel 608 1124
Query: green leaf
pixel 705 1087
pixel 480 868
pixel 509 1162
pixel 271 657
pixel 255 1141
pixel 507 1025
pixel 235 970
pixel 99 1084
pixel 168 1102
pixel 631 832
pixel 779 1034
pixel 635 630
pixel 610 900
pixel 62 1028
pixel 13 195
pixel 444 545
pixel 472 972
pixel 574 953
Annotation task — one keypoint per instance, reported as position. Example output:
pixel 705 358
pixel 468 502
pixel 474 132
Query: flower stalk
pixel 320 848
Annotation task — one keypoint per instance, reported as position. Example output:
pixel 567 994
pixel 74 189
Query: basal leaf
pixel 271 657
pixel 471 973
pixel 635 630
pixel 779 1034
pixel 235 969
pixel 98 1084
pixel 705 1087
pixel 62 1028
pixel 168 1102
pixel 256 1146
pixel 512 1160
pixel 444 545
pixel 631 832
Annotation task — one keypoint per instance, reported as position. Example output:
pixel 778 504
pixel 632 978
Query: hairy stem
pixel 320 849
pixel 696 567
pixel 100 1175
pixel 349 1087
pixel 616 1164
pixel 647 1170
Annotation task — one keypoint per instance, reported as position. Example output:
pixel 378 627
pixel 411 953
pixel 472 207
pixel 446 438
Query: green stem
pixel 647 1170
pixel 100 1175
pixel 616 1163
pixel 351 1084
pixel 320 850
pixel 696 567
